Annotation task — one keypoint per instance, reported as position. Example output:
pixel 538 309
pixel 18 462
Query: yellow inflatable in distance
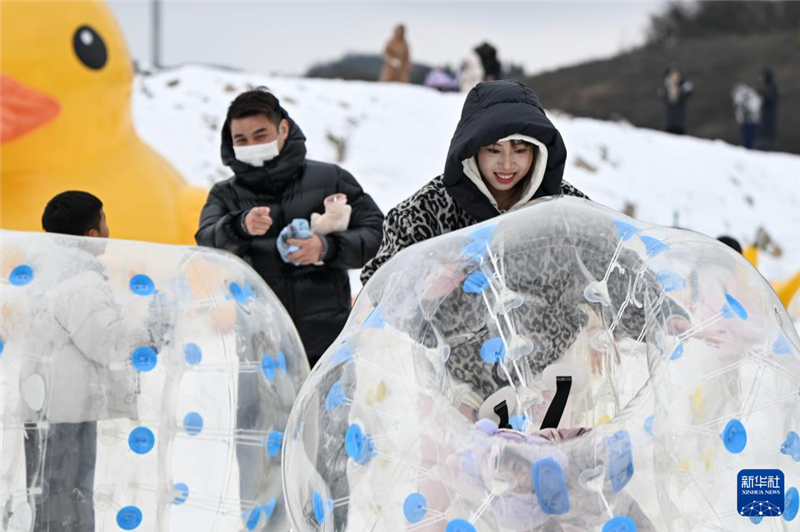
pixel 786 289
pixel 65 105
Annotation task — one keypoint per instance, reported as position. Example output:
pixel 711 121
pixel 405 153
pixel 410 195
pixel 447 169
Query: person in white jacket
pixel 85 369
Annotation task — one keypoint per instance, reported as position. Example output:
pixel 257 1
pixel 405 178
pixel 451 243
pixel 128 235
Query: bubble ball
pixel 559 367
pixel 143 387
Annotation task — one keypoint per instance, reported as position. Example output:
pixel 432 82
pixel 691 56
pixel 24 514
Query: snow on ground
pixel 394 138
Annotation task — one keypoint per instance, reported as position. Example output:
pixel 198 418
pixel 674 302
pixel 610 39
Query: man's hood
pixel 494 111
pixel 274 175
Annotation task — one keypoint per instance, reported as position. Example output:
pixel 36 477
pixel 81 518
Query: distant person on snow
pixel 492 70
pixel 471 72
pixel 262 214
pixel 675 93
pixel 768 127
pixel 747 109
pixel 396 57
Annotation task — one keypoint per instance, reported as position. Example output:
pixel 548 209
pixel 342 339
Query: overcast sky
pixel 289 37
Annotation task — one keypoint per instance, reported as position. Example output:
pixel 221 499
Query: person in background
pixel 470 73
pixel 675 94
pixel 396 57
pixel 768 127
pixel 492 70
pixel 747 109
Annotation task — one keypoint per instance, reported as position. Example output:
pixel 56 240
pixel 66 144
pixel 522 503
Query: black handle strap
pixel 502 412
pixel 559 403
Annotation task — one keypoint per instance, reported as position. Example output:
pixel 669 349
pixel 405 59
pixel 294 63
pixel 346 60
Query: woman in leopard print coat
pixel 495 113
pixel 501 120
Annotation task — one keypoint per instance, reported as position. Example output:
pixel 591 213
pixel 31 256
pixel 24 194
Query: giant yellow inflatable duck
pixel 65 110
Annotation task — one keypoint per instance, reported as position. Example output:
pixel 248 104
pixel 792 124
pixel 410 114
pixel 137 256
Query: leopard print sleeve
pixel 569 189
pixel 411 221
pixel 391 243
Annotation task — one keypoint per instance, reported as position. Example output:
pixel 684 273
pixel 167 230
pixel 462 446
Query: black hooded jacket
pixel 768 128
pixel 492 111
pixel 316 297
pixel 676 109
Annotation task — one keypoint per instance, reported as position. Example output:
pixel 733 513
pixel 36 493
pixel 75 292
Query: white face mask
pixel 257 154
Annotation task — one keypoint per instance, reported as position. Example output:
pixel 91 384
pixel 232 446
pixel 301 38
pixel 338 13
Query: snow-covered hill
pixel 394 138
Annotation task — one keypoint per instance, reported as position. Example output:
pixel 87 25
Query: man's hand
pixel 310 250
pixel 257 222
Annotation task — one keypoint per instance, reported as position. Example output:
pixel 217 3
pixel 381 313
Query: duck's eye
pixel 90 48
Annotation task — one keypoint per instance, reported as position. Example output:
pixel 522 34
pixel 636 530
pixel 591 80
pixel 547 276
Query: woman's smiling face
pixel 504 164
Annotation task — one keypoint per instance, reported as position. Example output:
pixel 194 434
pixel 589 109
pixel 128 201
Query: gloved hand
pixel 297 229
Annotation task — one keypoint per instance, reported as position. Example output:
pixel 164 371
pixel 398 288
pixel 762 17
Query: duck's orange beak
pixel 22 109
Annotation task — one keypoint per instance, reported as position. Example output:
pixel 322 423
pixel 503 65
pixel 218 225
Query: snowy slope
pixel 394 138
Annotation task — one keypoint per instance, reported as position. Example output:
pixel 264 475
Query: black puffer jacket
pixel 768 128
pixel 316 297
pixel 676 109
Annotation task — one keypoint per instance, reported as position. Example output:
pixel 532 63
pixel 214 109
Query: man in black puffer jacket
pixel 273 184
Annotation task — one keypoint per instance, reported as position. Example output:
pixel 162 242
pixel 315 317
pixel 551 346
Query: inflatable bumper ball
pixel 560 367
pixel 144 387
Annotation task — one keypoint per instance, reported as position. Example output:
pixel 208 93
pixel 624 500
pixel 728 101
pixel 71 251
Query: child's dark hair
pixel 72 213
pixel 259 101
